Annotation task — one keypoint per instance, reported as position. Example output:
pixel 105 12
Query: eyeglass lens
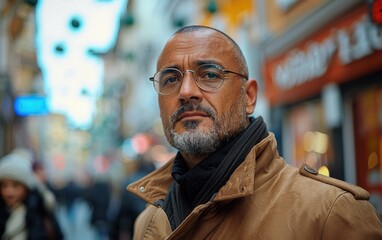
pixel 208 77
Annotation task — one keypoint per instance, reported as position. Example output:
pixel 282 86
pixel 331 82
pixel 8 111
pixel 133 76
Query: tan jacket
pixel 264 199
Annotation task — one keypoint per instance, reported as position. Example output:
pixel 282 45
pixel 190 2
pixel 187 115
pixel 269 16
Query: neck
pixel 192 160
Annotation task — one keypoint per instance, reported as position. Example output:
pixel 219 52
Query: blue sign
pixel 30 105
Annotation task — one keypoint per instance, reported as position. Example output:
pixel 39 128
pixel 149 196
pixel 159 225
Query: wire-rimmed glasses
pixel 208 77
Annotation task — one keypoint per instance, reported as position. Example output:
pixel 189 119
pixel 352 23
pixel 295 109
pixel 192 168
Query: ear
pixel 250 95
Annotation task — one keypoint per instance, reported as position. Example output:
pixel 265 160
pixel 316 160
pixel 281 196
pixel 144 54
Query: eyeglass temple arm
pixel 241 75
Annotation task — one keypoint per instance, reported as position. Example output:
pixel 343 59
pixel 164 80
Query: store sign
pixel 301 66
pixel 30 105
pixel 347 49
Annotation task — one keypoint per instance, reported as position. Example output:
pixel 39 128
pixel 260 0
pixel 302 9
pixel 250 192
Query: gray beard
pixel 195 142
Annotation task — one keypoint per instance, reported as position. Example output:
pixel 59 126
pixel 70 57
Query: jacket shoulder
pixel 358 192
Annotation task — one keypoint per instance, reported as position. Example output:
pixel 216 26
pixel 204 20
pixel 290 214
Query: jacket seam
pixel 149 226
pixel 330 212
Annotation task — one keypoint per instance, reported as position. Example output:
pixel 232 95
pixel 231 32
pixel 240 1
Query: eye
pixel 169 77
pixel 210 73
pixel 169 80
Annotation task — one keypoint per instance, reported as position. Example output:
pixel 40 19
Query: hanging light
pixel 212 6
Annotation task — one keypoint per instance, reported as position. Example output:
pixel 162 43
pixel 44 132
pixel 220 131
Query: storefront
pixel 328 89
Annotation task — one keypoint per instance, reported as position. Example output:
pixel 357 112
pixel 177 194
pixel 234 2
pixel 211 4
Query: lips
pixel 192 114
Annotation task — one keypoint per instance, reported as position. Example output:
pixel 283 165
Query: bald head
pixel 237 53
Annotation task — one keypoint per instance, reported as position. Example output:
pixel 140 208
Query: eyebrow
pixel 198 63
pixel 172 66
pixel 201 62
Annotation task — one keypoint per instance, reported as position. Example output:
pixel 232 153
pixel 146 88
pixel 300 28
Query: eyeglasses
pixel 208 77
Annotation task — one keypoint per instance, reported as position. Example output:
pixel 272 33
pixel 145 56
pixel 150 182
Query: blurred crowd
pixel 33 208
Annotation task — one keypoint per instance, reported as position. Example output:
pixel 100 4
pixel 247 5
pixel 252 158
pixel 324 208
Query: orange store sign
pixel 345 50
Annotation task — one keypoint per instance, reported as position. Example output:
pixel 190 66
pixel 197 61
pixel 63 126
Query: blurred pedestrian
pixel 69 194
pixel 43 186
pixel 98 195
pixel 122 227
pixel 50 203
pixel 23 213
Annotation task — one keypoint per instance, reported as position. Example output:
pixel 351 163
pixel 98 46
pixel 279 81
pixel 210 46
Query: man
pixel 227 180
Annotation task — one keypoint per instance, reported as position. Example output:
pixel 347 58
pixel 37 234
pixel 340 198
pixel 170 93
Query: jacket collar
pixel 263 161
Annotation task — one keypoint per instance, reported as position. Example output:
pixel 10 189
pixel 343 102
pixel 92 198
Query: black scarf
pixel 198 185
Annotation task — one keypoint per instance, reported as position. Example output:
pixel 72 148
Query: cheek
pixel 163 115
pixel 167 108
pixel 232 103
pixel 223 102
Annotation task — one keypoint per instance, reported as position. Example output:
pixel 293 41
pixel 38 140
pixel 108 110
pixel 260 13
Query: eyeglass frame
pixel 224 71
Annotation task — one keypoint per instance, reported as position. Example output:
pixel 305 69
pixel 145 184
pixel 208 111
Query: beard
pixel 196 141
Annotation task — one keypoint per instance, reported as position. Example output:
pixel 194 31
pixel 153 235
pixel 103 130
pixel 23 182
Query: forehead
pixel 191 47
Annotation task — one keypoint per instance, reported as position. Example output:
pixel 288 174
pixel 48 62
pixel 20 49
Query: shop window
pixel 367 114
pixel 309 139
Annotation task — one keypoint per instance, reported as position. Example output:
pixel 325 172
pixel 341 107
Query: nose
pixel 189 90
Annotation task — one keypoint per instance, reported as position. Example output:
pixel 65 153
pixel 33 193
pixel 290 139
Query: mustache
pixel 186 107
